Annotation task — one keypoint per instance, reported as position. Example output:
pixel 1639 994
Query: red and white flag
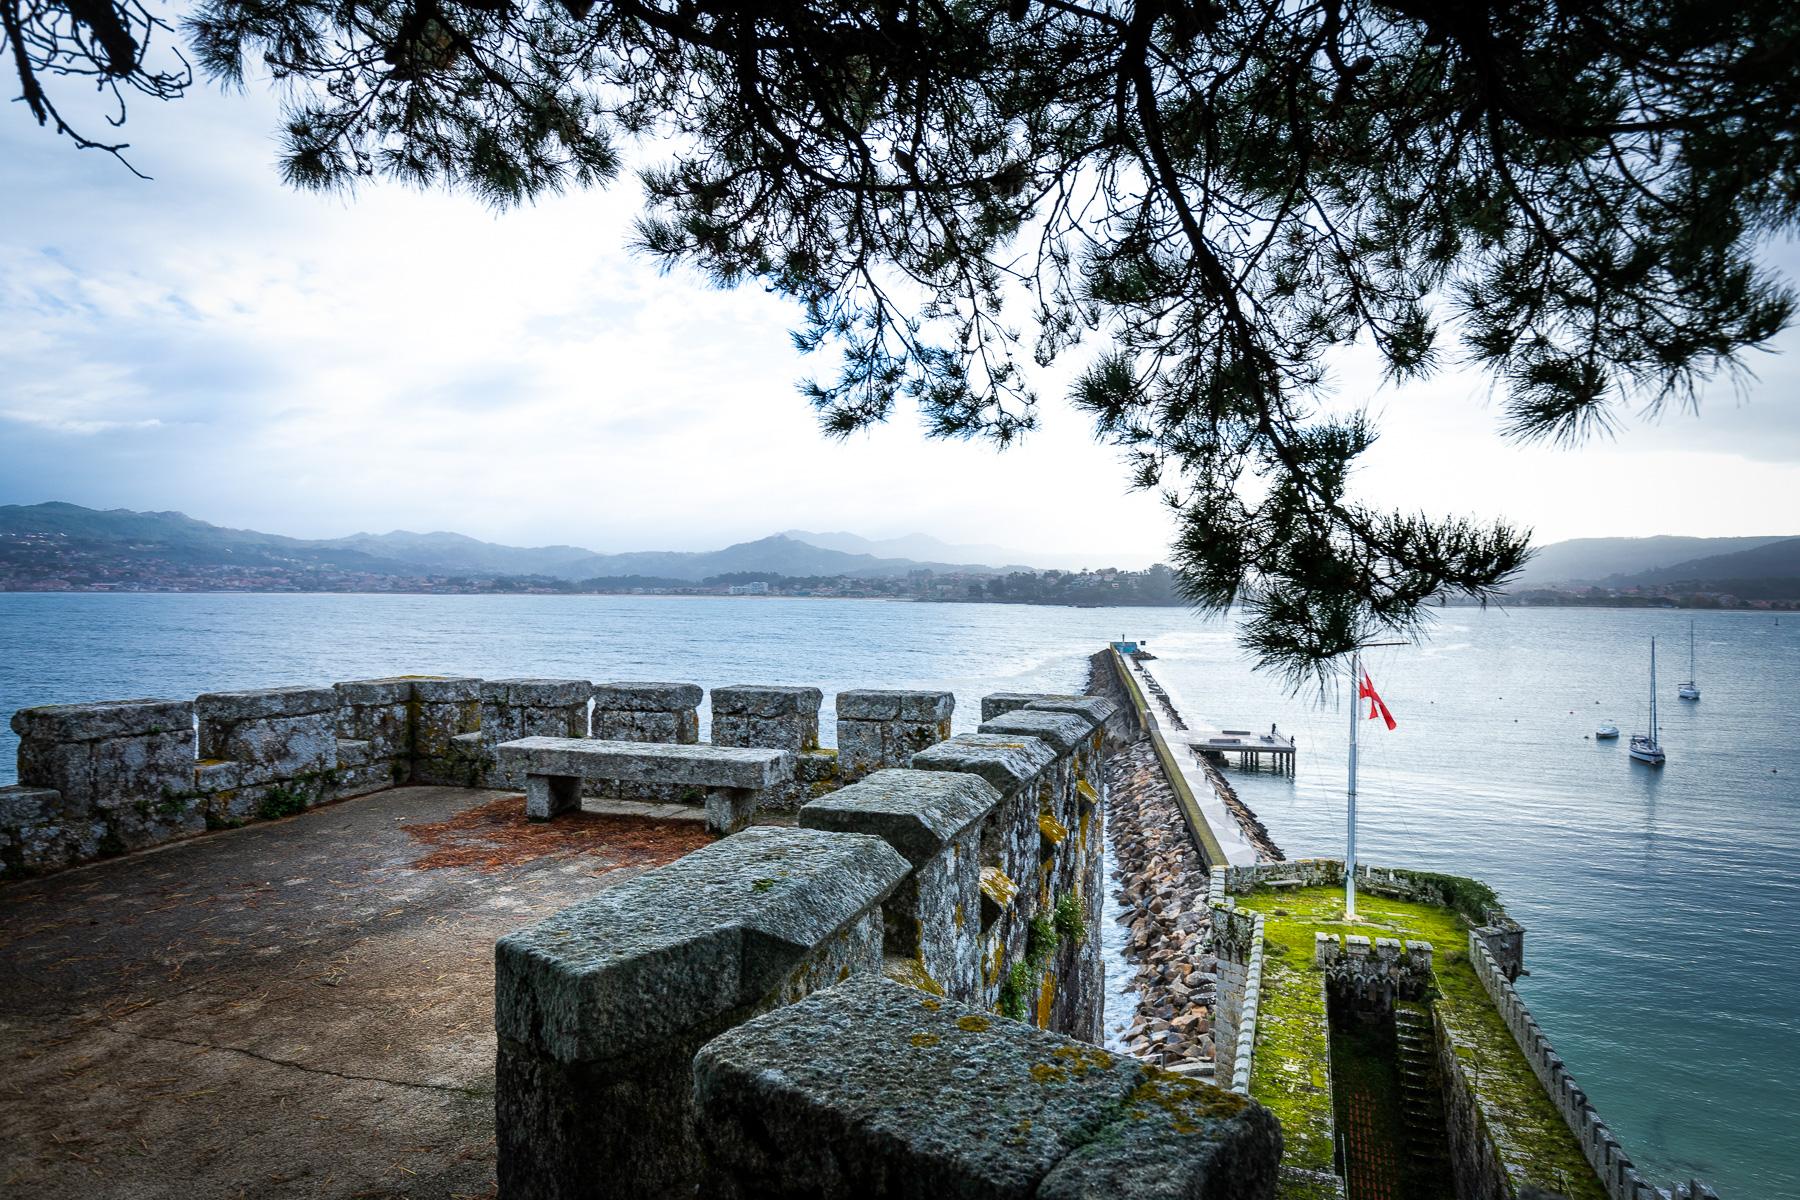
pixel 1377 706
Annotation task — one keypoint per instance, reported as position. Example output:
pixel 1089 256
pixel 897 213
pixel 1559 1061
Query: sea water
pixel 1662 905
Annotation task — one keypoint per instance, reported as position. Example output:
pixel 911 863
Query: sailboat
pixel 1691 689
pixel 1647 747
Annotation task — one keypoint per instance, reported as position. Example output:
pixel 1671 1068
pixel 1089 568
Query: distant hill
pixel 1765 572
pixel 1597 560
pixel 46 534
pixel 920 546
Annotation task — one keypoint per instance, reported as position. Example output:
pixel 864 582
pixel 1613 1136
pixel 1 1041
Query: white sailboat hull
pixel 1646 752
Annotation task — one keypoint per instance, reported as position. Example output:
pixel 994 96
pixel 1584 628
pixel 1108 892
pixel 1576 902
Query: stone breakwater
pixel 1164 904
pixel 1255 832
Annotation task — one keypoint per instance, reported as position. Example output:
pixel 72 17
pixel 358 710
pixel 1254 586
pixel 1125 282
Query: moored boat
pixel 1647 747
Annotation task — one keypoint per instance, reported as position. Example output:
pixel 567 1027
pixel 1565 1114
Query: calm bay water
pixel 1663 907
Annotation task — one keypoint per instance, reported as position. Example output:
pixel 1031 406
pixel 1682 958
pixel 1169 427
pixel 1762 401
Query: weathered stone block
pixel 874 1090
pixel 933 818
pixel 646 712
pixel 231 707
pixel 647 697
pixel 877 729
pixel 600 1008
pixel 1067 732
pixel 443 708
pixel 38 833
pixel 786 718
pixel 918 813
pixel 895 705
pixel 1006 761
pixel 280 733
pixel 95 722
pixel 520 708
pixel 128 766
pixel 1000 703
pixel 537 692
pixel 1097 709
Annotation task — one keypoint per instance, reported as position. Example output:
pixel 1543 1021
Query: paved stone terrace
pixel 300 1008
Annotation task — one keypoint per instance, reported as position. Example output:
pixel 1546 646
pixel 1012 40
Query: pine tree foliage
pixel 1207 198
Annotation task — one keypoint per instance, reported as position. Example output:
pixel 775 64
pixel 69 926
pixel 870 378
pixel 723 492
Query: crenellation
pixel 933 819
pixel 124 772
pixel 520 708
pixel 600 1008
pixel 878 729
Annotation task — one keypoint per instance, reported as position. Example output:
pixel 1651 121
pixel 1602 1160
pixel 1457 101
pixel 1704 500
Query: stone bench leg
pixel 730 809
pixel 547 795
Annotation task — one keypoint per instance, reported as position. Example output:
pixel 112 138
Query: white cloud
pixel 314 365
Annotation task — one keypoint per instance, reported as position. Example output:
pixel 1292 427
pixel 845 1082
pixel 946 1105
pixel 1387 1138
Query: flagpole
pixel 1350 848
pixel 1355 706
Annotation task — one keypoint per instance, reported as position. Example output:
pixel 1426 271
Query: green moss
pixel 1188 1103
pixel 1292 1032
pixel 1013 991
pixel 281 801
pixel 762 885
pixel 973 1024
pixel 1070 919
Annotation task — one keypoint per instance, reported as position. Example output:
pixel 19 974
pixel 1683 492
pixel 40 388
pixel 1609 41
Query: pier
pixel 1251 748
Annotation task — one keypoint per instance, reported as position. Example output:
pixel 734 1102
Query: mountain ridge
pixel 143 535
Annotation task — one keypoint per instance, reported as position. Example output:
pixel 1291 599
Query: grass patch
pixel 1293 1031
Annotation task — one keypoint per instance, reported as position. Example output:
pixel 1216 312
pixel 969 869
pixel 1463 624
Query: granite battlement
pixel 116 776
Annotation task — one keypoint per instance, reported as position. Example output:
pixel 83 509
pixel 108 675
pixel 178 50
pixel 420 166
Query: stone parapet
pixel 877 729
pixel 38 832
pixel 1617 1173
pixel 875 1090
pixel 521 708
pixel 1040 867
pixel 600 1009
pixel 374 730
pixel 443 711
pixel 647 712
pixel 997 704
pixel 931 933
pixel 778 718
pixel 123 771
pixel 1236 940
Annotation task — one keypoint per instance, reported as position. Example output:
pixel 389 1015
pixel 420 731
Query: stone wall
pixel 1038 870
pixel 1612 1165
pixel 685 1009
pixel 877 729
pixel 98 779
pixel 1369 978
pixel 778 718
pixel 1003 831
pixel 1237 945
pixel 600 1008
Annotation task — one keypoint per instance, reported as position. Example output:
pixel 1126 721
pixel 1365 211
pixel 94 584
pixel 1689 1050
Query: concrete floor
pixel 298 1008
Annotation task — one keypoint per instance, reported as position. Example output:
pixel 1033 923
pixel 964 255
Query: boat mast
pixel 1654 743
pixel 1350 848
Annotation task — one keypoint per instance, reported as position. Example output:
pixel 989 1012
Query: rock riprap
pixel 1164 905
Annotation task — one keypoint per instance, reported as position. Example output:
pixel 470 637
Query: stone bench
pixel 733 777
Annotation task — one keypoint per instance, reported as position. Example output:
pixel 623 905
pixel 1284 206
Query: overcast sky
pixel 314 366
